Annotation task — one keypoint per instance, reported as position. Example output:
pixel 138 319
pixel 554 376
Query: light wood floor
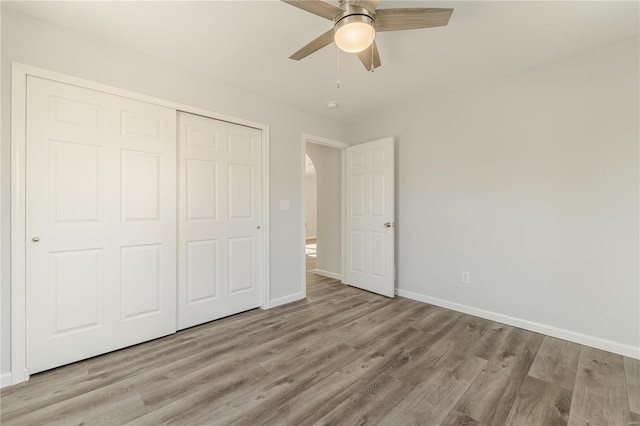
pixel 343 356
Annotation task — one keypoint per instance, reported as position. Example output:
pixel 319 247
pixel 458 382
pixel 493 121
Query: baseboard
pixel 572 336
pixel 328 274
pixel 6 379
pixel 284 300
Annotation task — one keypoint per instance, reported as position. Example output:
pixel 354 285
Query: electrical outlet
pixel 465 277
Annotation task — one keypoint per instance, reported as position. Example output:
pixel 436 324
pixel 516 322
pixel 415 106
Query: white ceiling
pixel 247 43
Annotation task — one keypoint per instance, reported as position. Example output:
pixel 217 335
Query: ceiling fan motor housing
pixel 358 13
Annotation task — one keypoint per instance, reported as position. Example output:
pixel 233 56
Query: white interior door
pixel 100 223
pixel 219 219
pixel 370 217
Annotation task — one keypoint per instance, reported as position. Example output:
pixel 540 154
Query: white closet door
pixel 370 217
pixel 219 219
pixel 101 223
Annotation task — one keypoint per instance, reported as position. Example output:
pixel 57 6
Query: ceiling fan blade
pixel 411 19
pixel 317 7
pixel 317 44
pixel 366 57
pixel 370 5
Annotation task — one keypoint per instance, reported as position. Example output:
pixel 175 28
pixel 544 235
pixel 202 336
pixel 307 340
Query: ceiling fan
pixel 356 22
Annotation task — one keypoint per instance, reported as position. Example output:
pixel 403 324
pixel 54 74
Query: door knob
pixel 388 225
pixel 35 239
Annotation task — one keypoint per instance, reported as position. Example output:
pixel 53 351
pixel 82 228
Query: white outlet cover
pixel 284 205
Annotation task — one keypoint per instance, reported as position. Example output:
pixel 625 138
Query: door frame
pixel 19 73
pixel 307 138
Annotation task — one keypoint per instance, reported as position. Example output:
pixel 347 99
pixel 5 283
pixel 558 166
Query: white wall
pixel 328 164
pixel 36 43
pixel 310 208
pixel 310 184
pixel 531 185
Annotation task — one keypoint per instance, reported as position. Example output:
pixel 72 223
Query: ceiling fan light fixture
pixel 354 33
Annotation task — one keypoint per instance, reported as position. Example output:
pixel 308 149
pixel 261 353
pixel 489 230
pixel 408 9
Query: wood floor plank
pixel 359 326
pixel 556 362
pixel 456 337
pixel 210 350
pixel 128 362
pixel 267 399
pixel 369 404
pixel 199 400
pixel 83 408
pixel 540 403
pixel 437 320
pixel 432 400
pixel 115 412
pixel 345 333
pixel 159 379
pixel 456 418
pixel 322 396
pixel 216 380
pixel 599 394
pixel 47 383
pixel 342 356
pixel 349 309
pixel 475 336
pixel 490 340
pixel 387 328
pixel 632 375
pixel 490 397
pixel 319 400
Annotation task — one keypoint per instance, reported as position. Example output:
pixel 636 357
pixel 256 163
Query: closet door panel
pixel 100 223
pixel 219 218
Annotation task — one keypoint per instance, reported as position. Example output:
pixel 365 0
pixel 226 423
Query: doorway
pixel 311 216
pixel 323 218
pixel 363 186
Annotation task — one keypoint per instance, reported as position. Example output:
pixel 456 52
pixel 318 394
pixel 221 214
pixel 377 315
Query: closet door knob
pixel 35 239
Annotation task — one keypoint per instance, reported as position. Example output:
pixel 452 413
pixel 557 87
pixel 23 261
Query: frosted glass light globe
pixel 354 34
